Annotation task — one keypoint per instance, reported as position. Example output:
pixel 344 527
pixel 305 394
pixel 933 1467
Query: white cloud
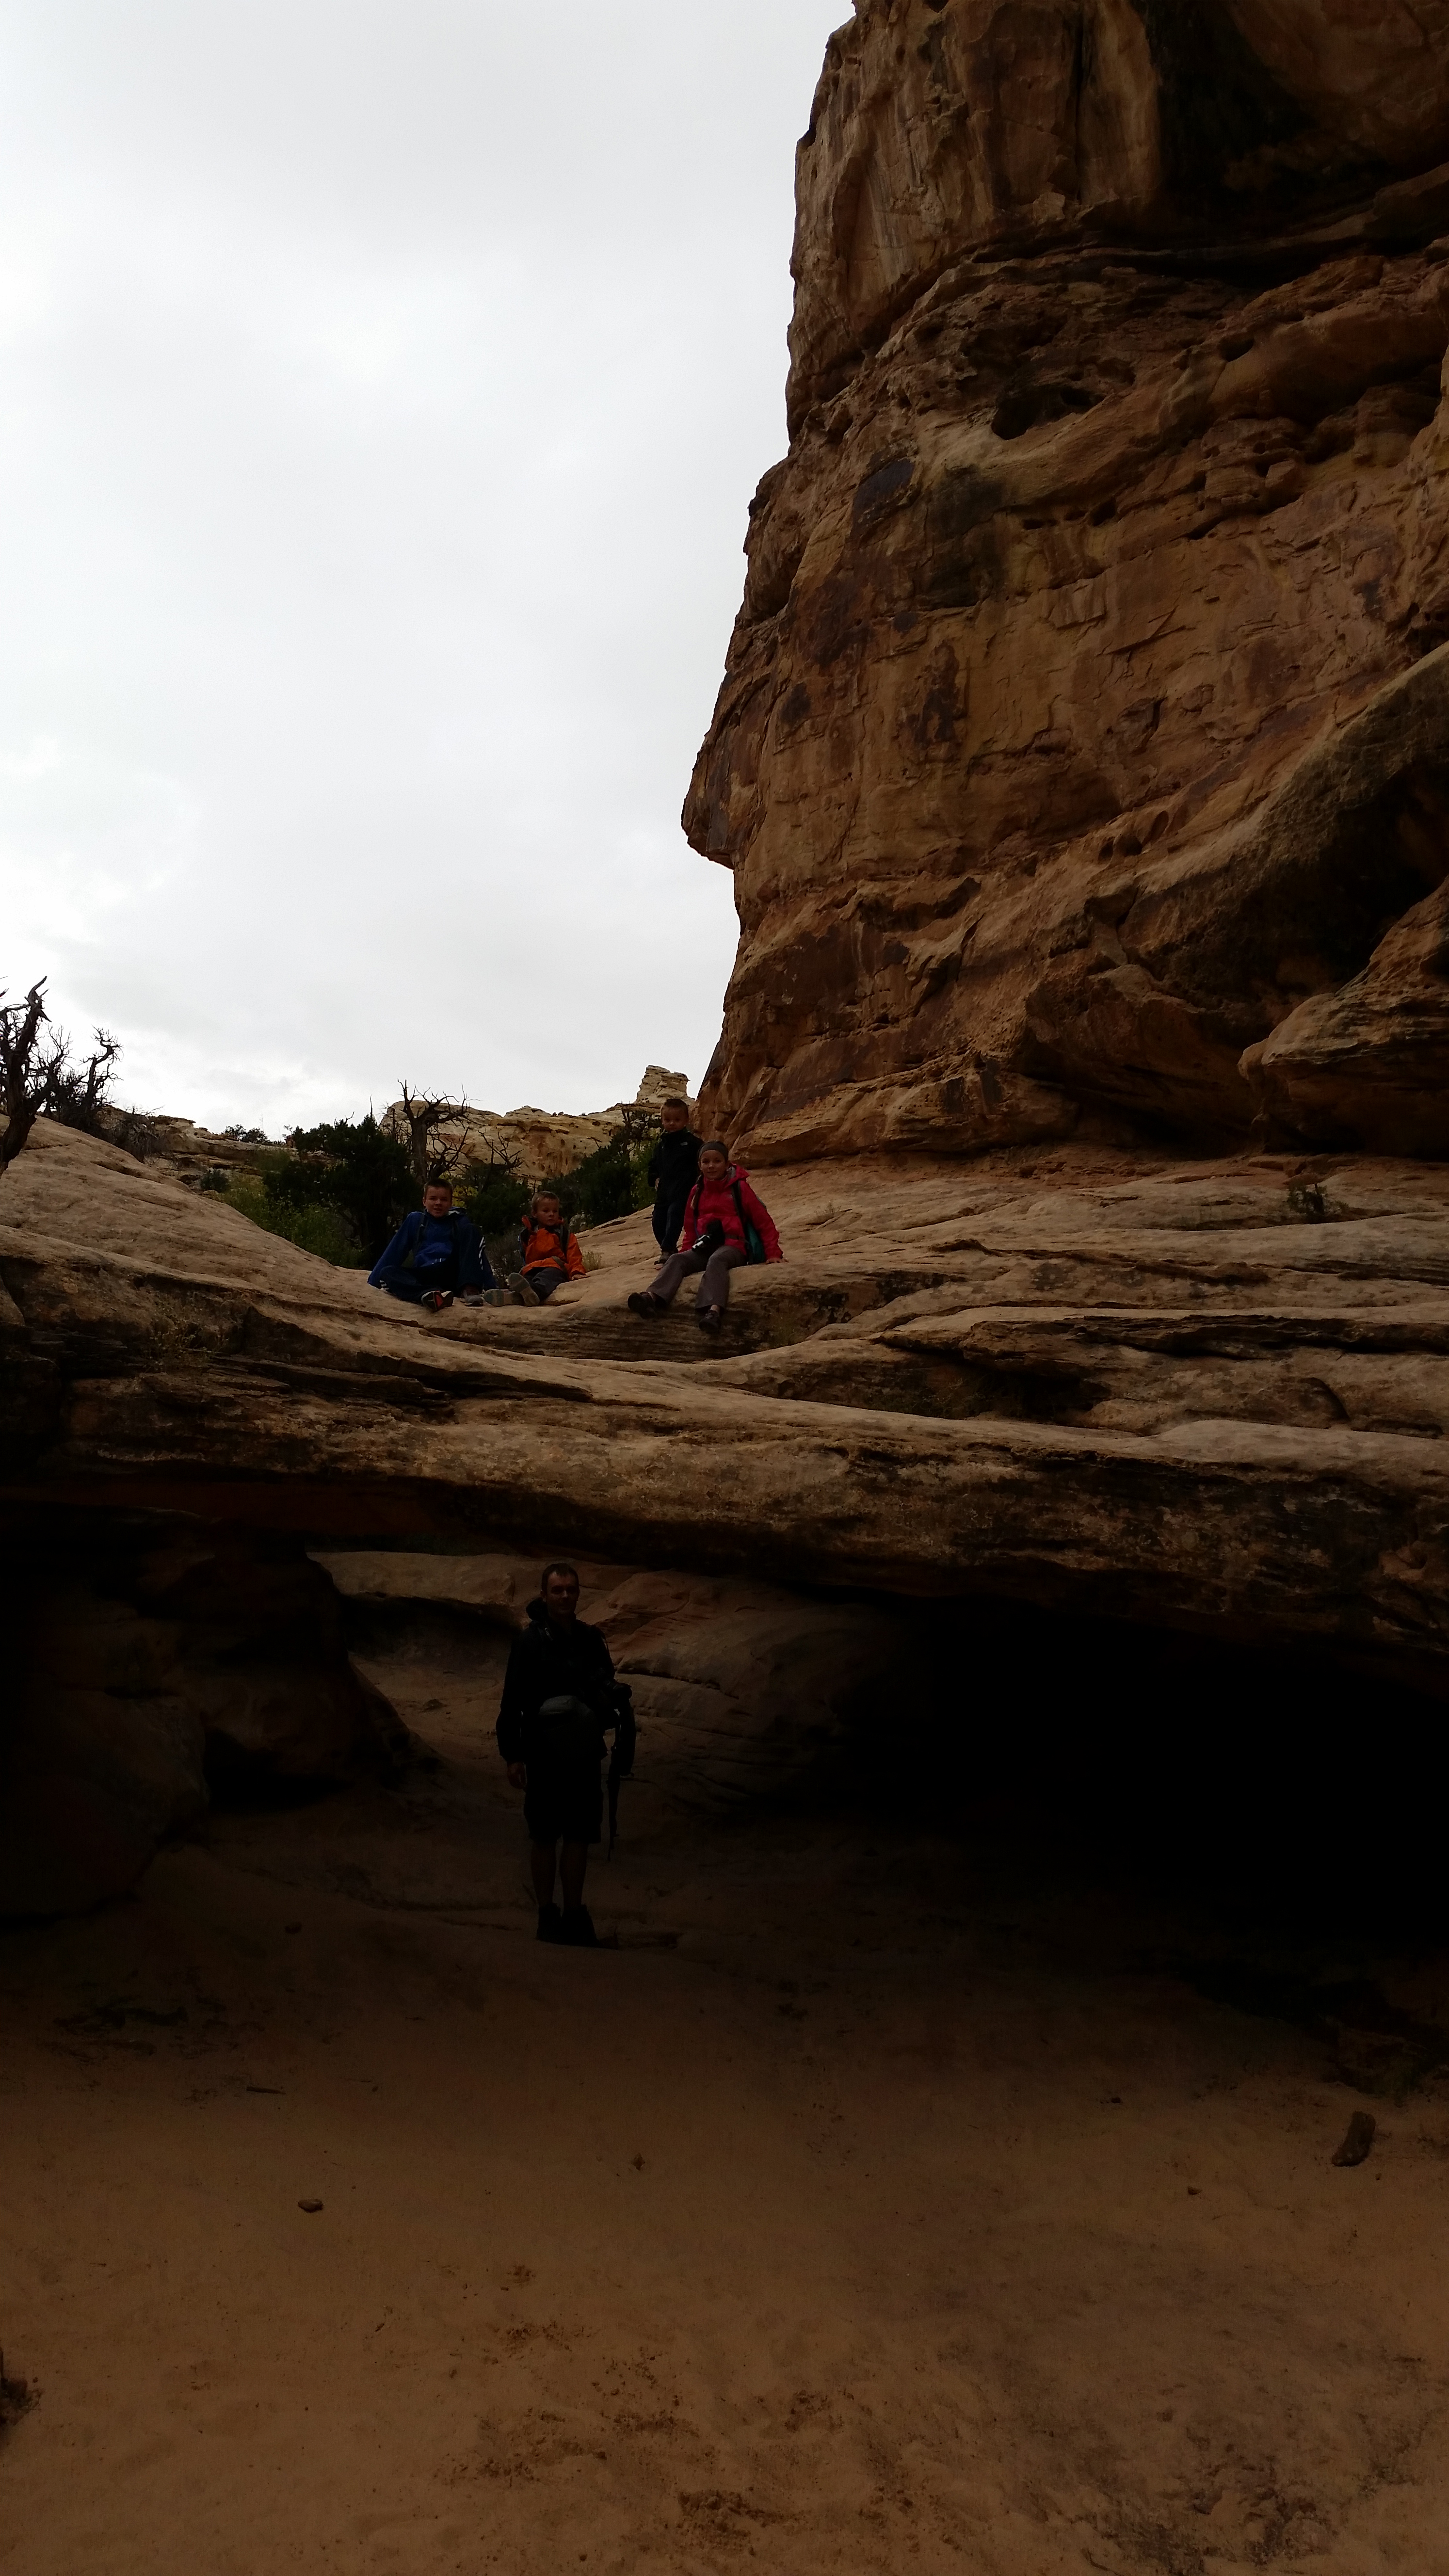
pixel 384 387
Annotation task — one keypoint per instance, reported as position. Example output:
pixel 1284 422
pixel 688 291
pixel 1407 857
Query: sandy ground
pixel 885 2200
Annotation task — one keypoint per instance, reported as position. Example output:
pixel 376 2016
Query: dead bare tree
pixel 79 1094
pixel 424 1115
pixel 23 1068
pixel 490 1154
pixel 638 1126
pixel 39 1077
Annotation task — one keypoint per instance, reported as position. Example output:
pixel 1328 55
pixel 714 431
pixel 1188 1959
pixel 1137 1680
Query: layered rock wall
pixel 1083 754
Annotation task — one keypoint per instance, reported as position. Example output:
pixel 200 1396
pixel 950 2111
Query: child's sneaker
pixel 518 1282
pixel 437 1298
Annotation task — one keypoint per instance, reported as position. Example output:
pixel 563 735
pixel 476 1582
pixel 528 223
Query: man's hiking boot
pixel 437 1299
pixel 641 1303
pixel 518 1281
pixel 578 1928
pixel 710 1318
pixel 550 1923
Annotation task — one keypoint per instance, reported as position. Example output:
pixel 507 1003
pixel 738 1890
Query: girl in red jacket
pixel 719 1215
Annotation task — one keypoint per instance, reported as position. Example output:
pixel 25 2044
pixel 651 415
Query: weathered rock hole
pixel 1025 407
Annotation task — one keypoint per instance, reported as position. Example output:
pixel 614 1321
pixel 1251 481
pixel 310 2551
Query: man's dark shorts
pixel 567 1808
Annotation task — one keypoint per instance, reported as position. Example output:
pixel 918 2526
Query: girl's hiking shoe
pixel 710 1318
pixel 550 1923
pixel 641 1303
pixel 578 1928
pixel 438 1298
pixel 518 1281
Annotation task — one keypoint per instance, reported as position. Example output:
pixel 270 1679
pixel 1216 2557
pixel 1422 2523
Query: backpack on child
pixel 754 1243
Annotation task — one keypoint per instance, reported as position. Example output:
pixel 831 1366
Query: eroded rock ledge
pixel 1207 1398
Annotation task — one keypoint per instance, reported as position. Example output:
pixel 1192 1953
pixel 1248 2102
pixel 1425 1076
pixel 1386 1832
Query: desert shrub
pixel 497 1202
pixel 611 1182
pixel 315 1228
pixel 136 1132
pixel 350 1168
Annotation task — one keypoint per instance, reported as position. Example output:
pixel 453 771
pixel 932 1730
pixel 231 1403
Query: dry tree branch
pixel 424 1114
pixel 26 1068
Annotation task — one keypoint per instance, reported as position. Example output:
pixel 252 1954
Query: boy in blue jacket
pixel 436 1254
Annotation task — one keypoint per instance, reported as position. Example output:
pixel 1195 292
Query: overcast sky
pixel 383 386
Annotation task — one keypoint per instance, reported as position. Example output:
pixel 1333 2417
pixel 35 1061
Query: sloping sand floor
pixel 882 2202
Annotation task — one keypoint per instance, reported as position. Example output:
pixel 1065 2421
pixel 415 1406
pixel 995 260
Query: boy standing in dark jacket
pixel 673 1169
pixel 436 1254
pixel 558 1697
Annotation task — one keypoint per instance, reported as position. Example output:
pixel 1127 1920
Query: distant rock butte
pixel 1082 758
pixel 546 1144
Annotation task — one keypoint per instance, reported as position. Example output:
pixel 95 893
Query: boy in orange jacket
pixel 547 1253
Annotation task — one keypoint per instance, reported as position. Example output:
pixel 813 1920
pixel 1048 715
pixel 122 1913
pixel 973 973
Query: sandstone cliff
pixel 1083 753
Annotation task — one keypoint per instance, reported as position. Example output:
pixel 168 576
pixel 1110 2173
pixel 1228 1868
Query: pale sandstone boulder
pixel 1085 719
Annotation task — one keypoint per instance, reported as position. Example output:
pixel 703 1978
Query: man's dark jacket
pixel 424 1242
pixel 674 1165
pixel 552 1660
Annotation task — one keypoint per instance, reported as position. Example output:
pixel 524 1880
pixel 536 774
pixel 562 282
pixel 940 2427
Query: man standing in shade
pixel 559 1694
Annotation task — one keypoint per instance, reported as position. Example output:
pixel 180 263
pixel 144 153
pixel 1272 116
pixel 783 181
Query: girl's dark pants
pixel 714 1286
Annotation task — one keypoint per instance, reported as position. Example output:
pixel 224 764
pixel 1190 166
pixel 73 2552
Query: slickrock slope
pixel 1083 753
pixel 1211 1396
